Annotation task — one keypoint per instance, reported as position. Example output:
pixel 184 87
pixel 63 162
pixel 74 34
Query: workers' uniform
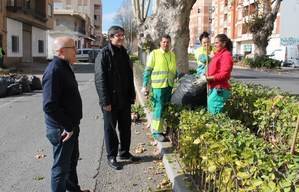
pixel 160 72
pixel 202 59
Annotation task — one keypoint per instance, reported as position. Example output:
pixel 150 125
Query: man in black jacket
pixel 63 111
pixel 115 87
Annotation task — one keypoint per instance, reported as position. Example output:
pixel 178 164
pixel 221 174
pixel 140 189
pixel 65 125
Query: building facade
pixel 79 19
pixel 23 30
pixel 200 21
pixel 230 18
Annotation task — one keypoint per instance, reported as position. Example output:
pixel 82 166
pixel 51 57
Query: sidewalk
pixel 143 176
pixel 179 181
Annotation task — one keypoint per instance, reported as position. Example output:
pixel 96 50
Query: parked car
pixel 83 54
pixel 288 55
pixel 93 55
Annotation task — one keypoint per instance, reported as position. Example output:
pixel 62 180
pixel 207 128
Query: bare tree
pixel 126 19
pixel 169 17
pixel 261 24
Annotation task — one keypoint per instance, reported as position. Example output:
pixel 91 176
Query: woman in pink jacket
pixel 219 73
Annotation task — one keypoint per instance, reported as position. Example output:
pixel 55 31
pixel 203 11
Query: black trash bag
pixel 9 80
pixel 14 89
pixel 3 87
pixel 35 83
pixel 190 92
pixel 24 81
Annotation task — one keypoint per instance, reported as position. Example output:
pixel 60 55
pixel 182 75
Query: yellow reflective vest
pixel 1 50
pixel 163 68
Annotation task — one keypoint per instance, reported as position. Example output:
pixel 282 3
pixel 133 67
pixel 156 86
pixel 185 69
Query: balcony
pixel 12 5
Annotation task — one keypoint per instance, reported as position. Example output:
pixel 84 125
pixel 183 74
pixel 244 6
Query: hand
pixel 107 108
pixel 144 91
pixel 200 80
pixel 66 135
pixel 210 78
pixel 203 78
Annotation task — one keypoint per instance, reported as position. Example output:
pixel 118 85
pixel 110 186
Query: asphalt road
pixel 22 137
pixel 286 79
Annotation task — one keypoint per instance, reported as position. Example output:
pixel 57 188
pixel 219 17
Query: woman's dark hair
pixel 228 44
pixel 166 36
pixel 114 30
pixel 204 35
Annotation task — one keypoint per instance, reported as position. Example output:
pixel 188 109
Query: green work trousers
pixel 161 96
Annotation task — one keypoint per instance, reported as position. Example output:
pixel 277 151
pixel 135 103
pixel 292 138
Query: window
pixel 40 46
pixel 58 5
pixel 27 4
pixel 11 3
pixel 15 44
pixel 50 10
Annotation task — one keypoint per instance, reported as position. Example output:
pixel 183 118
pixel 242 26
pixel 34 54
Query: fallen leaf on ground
pixel 40 156
pixel 38 178
pixel 137 132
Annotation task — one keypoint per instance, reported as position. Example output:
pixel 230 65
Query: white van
pixel 83 54
pixel 288 55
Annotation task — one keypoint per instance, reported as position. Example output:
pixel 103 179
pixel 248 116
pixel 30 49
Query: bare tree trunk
pixel 262 26
pixel 171 17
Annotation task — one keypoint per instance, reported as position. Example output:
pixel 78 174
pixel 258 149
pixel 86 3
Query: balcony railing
pixel 12 5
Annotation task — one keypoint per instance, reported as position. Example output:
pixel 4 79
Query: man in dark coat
pixel 63 111
pixel 115 87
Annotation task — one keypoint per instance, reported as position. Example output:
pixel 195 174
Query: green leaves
pixel 249 153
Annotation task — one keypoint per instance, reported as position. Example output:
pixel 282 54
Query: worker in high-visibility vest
pixel 2 53
pixel 160 73
pixel 203 54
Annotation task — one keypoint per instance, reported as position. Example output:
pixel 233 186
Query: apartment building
pixel 200 21
pixel 230 18
pixel 23 26
pixel 79 19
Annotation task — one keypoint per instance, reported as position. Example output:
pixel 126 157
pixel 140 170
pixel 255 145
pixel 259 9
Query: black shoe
pixel 129 157
pixel 114 164
pixel 80 190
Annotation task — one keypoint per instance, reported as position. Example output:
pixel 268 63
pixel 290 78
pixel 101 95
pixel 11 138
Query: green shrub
pixel 138 110
pixel 262 61
pixel 240 105
pixel 221 151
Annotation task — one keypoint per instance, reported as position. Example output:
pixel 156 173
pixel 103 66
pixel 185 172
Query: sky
pixel 110 8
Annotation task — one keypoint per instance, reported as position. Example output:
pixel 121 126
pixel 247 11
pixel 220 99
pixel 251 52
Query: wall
pixel 39 34
pixel 289 25
pixel 14 28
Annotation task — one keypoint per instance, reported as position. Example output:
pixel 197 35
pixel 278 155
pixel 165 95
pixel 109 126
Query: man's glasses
pixel 118 35
pixel 72 47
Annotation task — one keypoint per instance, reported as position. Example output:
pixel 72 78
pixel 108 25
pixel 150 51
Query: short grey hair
pixel 114 30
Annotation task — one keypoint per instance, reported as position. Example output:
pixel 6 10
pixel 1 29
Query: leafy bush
pixel 262 61
pixel 240 105
pixel 137 112
pixel 250 153
pixel 275 119
pixel 221 153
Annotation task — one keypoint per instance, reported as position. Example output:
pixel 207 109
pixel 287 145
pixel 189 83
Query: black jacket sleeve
pixel 132 87
pixel 52 92
pixel 101 78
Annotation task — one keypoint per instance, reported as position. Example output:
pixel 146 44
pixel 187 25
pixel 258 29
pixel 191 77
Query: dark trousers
pixel 1 62
pixel 122 119
pixel 64 173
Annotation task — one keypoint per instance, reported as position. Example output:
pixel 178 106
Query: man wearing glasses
pixel 115 87
pixel 63 111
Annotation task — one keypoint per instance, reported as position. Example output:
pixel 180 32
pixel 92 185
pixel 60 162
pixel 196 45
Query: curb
pixel 173 169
